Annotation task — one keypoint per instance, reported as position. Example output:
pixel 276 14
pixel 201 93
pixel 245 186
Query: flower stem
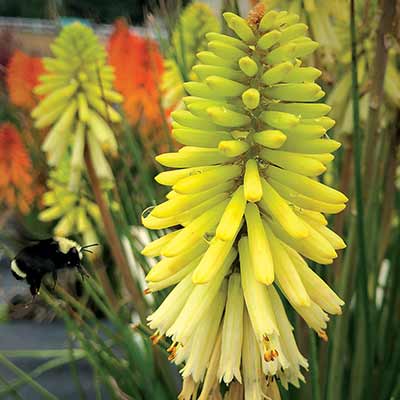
pixel 376 93
pixel 113 239
pixel 316 393
pixel 362 262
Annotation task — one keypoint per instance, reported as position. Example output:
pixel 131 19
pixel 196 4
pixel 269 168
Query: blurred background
pixel 89 339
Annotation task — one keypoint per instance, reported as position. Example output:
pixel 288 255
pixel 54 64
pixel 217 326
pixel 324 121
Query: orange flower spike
pixel 22 76
pixel 15 170
pixel 138 68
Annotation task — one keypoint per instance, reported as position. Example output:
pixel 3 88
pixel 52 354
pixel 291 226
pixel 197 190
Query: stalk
pixel 28 379
pixel 388 8
pixel 363 318
pixel 316 393
pixel 113 239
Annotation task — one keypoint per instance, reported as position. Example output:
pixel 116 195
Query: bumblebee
pixel 47 256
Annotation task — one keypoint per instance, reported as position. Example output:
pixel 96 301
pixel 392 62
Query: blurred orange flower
pixel 22 76
pixel 16 189
pixel 138 68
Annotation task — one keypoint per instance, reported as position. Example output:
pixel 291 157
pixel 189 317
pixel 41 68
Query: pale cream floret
pixel 66 245
pixel 14 267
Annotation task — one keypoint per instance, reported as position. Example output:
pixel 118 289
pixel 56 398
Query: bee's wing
pixel 14 236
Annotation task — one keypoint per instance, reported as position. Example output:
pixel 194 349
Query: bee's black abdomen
pixel 16 276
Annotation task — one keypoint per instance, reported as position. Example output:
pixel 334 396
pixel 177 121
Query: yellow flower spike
pixel 73 210
pixel 272 138
pixel 232 332
pixel 252 183
pixel 232 216
pixel 251 98
pixel 254 142
pixel 78 89
pixel 260 251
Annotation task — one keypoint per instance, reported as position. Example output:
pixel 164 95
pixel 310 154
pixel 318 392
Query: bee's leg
pixel 34 284
pixel 54 279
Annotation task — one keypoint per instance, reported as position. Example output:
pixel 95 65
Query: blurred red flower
pixel 16 189
pixel 22 76
pixel 138 68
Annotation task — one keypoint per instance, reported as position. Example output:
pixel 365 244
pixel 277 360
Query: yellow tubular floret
pixel 279 209
pixel 260 251
pixel 252 182
pixel 232 216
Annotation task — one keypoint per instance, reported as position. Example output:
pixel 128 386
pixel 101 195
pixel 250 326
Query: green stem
pixel 114 241
pixel 316 393
pixel 363 337
pixel 377 89
pixel 363 265
pixel 46 395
